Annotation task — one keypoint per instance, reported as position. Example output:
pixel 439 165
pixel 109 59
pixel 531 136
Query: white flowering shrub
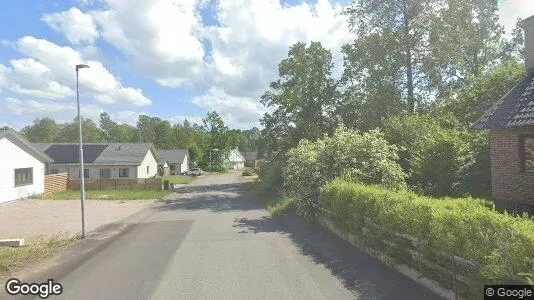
pixel 366 158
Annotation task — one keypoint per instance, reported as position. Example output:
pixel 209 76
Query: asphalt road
pixel 213 241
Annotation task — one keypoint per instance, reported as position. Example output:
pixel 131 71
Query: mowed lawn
pixel 178 179
pixel 124 194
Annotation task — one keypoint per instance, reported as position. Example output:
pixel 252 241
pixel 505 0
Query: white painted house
pixel 103 160
pixel 22 167
pixel 235 160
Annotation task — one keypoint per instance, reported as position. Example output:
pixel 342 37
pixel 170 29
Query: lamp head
pixel 81 66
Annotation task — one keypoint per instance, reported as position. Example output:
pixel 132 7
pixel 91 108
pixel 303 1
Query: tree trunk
pixel 409 66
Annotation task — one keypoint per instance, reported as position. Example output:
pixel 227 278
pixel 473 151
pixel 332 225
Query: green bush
pixel 357 157
pixel 503 245
pixel 270 174
pixel 248 172
pixel 440 157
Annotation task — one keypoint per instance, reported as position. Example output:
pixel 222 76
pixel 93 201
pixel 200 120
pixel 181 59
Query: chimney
pixel 528 26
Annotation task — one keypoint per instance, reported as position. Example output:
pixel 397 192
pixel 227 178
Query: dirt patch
pixel 32 218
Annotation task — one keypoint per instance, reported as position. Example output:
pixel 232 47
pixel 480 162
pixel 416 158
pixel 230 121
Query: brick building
pixel 511 125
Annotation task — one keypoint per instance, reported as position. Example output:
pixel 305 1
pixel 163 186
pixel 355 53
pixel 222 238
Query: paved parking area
pixel 31 218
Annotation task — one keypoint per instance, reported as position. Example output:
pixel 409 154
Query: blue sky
pixel 174 59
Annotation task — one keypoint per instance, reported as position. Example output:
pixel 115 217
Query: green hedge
pixel 501 244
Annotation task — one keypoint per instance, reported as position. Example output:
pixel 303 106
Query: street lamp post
pixel 82 182
pixel 212 150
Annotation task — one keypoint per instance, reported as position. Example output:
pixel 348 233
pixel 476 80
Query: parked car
pixel 195 172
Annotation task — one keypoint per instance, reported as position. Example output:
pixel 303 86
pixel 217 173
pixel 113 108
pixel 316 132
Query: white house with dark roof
pixel 103 160
pixel 235 160
pixel 22 167
pixel 177 160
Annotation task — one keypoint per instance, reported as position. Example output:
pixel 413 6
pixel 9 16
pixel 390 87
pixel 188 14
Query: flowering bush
pixel 366 158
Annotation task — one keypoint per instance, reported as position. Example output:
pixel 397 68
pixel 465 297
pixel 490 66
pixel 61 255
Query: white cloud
pixel 159 37
pixel 240 112
pixel 45 108
pixel 77 26
pixel 511 10
pixel 27 76
pixel 129 117
pixel 58 63
pixel 181 119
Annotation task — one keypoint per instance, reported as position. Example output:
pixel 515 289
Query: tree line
pixel 199 139
pixel 420 71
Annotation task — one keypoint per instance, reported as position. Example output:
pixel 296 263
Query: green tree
pixel 303 98
pixel 218 139
pixel 90 131
pixel 154 130
pixel 390 50
pixel 464 40
pixel 471 100
pixel 43 130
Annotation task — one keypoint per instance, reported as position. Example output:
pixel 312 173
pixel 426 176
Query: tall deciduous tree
pixel 464 41
pixel 387 58
pixel 218 139
pixel 303 98
pixel 43 130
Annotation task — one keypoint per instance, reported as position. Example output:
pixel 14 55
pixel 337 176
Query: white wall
pixel 184 167
pixel 149 161
pixel 11 158
pixel 94 171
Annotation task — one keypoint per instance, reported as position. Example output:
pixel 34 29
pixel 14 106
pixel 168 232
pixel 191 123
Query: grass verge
pixel 178 179
pixel 274 201
pixel 12 257
pixel 126 194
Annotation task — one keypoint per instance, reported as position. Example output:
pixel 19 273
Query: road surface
pixel 213 241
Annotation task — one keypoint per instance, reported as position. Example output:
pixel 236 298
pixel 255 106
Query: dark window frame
pixel 522 152
pixel 103 170
pixel 121 175
pixel 88 173
pixel 147 169
pixel 23 183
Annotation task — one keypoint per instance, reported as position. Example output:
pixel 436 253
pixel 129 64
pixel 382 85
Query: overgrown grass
pixel 274 201
pixel 124 194
pixel 178 179
pixel 11 257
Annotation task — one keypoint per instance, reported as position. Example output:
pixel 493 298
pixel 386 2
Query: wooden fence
pixel 101 184
pixel 55 183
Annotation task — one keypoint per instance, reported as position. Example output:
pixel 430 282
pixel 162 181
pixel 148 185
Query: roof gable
pixel 172 155
pixel 99 153
pixel 515 109
pixel 21 142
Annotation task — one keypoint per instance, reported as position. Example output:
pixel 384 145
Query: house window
pixel 105 173
pixel 23 176
pixel 528 154
pixel 124 173
pixel 172 167
pixel 85 173
pixel 147 169
pixel 54 171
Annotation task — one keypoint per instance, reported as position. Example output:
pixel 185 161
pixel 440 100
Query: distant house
pixel 252 159
pixel 235 160
pixel 103 160
pixel 511 129
pixel 22 167
pixel 177 161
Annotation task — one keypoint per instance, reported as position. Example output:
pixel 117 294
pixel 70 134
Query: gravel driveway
pixel 31 218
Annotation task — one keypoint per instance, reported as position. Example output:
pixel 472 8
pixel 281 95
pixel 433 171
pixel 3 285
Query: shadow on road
pixel 366 277
pixel 362 274
pixel 213 198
